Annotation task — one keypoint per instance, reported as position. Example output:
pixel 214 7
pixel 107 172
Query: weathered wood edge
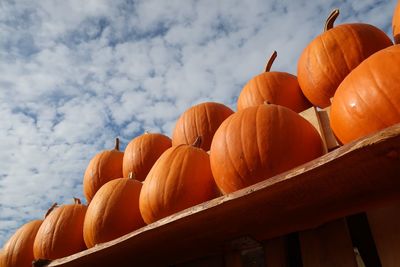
pixel 365 143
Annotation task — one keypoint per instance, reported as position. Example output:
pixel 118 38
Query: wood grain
pixel 353 178
pixel 328 245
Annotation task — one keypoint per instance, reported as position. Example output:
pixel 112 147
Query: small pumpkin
pixel 103 167
pixel 141 153
pixel 200 120
pixel 259 142
pixel 331 56
pixel 179 179
pixel 61 233
pixel 18 250
pixel 368 99
pixel 396 23
pixel 113 212
pixel 280 88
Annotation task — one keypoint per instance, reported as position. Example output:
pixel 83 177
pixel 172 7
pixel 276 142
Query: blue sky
pixel 76 74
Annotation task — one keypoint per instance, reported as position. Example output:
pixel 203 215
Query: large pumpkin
pixel 141 153
pixel 179 179
pixel 18 251
pixel 327 60
pixel 368 99
pixel 259 142
pixel 396 23
pixel 61 233
pixel 113 212
pixel 103 167
pixel 200 120
pixel 274 87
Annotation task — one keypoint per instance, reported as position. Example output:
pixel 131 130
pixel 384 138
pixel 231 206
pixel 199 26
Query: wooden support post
pixel 276 252
pixel 319 118
pixel 385 227
pixel 328 245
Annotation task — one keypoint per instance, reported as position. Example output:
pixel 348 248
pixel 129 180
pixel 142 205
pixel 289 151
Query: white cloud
pixel 75 75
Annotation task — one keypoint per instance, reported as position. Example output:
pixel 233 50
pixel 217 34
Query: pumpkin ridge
pixel 208 120
pixel 183 125
pixel 230 155
pixel 359 45
pixel 141 156
pixel 165 190
pixel 328 75
pixel 182 170
pixel 350 31
pixel 382 93
pixel 365 106
pixel 258 85
pixel 253 84
pixel 242 129
pixel 55 231
pixel 196 124
pixel 260 157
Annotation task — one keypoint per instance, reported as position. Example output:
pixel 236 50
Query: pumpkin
pixel 368 99
pixel 61 233
pixel 280 88
pixel 179 179
pixel 18 251
pixel 331 56
pixel 141 153
pixel 200 120
pixel 259 142
pixel 396 23
pixel 103 167
pixel 113 212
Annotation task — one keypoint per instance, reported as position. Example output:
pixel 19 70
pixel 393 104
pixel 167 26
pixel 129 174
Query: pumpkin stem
pixel 51 209
pixel 146 132
pixel 271 61
pixel 116 144
pixel 266 102
pixel 77 200
pixel 197 142
pixel 331 19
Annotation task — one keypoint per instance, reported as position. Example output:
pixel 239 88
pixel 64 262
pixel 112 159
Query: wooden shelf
pixel 353 178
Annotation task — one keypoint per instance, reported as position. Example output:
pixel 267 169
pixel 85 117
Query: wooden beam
pixel 348 180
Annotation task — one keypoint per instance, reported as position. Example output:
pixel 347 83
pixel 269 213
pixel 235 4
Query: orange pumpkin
pixel 179 179
pixel 200 120
pixel 113 212
pixel 18 251
pixel 280 88
pixel 60 234
pixel 327 60
pixel 103 167
pixel 141 153
pixel 259 142
pixel 368 99
pixel 396 23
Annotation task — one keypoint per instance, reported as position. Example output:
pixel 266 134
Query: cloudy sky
pixel 76 74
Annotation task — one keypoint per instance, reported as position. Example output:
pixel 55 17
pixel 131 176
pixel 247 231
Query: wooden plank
pixel 319 118
pixel 326 130
pixel 312 116
pixel 348 180
pixel 328 245
pixel 385 227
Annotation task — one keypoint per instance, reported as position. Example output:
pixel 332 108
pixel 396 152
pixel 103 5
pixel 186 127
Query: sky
pixel 74 75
